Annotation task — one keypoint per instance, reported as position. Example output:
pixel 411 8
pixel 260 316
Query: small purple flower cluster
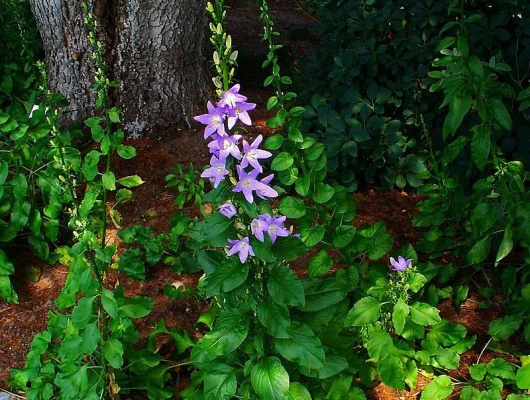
pixel 231 108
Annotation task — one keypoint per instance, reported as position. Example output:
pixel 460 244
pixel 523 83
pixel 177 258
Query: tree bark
pixel 156 51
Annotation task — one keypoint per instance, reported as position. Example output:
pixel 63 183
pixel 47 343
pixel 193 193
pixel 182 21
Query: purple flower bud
pixel 228 210
pixel 242 247
pixel 401 264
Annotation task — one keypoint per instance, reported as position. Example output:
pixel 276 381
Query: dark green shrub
pixel 368 83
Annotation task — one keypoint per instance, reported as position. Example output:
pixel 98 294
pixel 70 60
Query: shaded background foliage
pixel 367 84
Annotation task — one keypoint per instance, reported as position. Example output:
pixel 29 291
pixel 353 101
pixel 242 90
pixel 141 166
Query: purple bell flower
pixel 248 183
pixel 228 210
pixel 240 112
pixel 214 120
pixel 401 264
pixel 242 247
pixel 217 171
pixel 223 146
pixel 253 154
pixel 231 97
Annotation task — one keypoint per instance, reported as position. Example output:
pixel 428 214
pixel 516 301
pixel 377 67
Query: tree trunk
pixel 156 51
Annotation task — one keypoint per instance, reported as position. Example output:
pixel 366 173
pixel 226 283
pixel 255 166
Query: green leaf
pixel 439 388
pixel 130 181
pixel 274 317
pixel 82 312
pixel 113 351
pixel 501 114
pixel 313 235
pixel 109 180
pixel 446 333
pixel 274 142
pixel 126 152
pixel 109 303
pixel 228 275
pixel 390 370
pixel 303 347
pixel 292 207
pixel 399 314
pixel 480 251
pixel 270 379
pixel 364 312
pixel 480 146
pixel 114 115
pixel 91 337
pixel 229 332
pixel 503 328
pixel 459 106
pixel 478 371
pixel 320 294
pixel 423 314
pixel 454 148
pixel 374 240
pixel 506 245
pixel 137 306
pixel 282 161
pixel 320 264
pixel 344 235
pixel 323 193
pixel 500 368
pixel 220 383
pixel 297 391
pixel 463 46
pixel 284 286
pixel 522 378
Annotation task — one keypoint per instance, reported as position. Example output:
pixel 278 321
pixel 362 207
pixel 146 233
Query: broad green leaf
pixel 364 312
pixel 320 264
pixel 282 161
pixel 109 303
pixel 137 306
pixel 400 312
pixel 229 332
pixel 374 240
pixel 130 181
pixel 503 328
pixel 320 294
pixel 292 207
pixel 313 235
pixel 270 379
pixel 423 314
pixel 126 152
pixel 109 180
pixel 113 351
pixel 522 378
pixel 297 391
pixel 91 337
pixel 478 371
pixel 285 287
pixel 323 193
pixel 480 146
pixel 447 334
pixel 228 275
pixel 344 235
pixel 275 318
pixel 220 383
pixel 83 312
pixel 500 368
pixel 459 106
pixel 390 370
pixel 480 251
pixel 501 114
pixel 439 388
pixel 303 347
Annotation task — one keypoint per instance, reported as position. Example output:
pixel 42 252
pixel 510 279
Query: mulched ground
pixel 153 206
